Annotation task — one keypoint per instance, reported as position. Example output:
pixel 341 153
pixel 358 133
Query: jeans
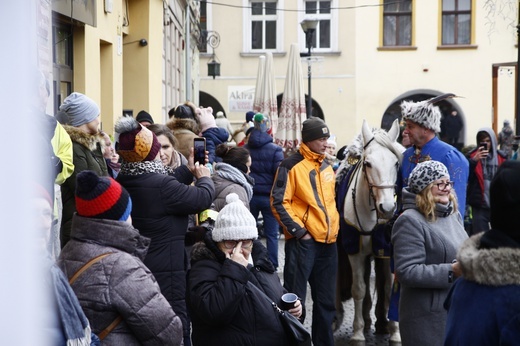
pixel 260 203
pixel 308 260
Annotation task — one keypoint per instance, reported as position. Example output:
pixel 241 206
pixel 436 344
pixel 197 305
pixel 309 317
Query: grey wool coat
pixel 423 252
pixel 118 285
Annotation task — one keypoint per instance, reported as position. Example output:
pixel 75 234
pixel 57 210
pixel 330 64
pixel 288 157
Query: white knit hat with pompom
pixel 234 221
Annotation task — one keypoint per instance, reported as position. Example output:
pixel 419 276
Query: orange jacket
pixel 302 197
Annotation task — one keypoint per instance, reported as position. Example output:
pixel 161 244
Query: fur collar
pixel 495 267
pixel 183 124
pixel 87 140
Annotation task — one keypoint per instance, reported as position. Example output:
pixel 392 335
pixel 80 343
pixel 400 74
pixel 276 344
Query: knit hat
pixel 101 197
pixel 136 142
pixel 261 122
pixel 426 173
pixel 249 116
pixel 424 113
pixel 332 141
pixel 206 118
pixel 78 109
pixel 504 194
pixel 234 221
pixel 220 114
pixel 144 116
pixel 506 122
pixel 314 128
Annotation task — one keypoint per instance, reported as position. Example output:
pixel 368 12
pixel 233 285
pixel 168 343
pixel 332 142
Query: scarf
pixel 143 167
pixel 76 328
pixel 228 172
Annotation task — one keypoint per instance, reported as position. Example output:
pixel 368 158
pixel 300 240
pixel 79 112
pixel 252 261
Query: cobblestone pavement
pixel 342 336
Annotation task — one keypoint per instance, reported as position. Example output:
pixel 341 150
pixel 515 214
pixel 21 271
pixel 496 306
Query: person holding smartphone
pixel 483 164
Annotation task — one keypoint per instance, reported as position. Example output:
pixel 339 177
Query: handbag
pixel 296 332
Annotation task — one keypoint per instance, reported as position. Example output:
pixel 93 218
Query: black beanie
pixel 144 116
pixel 314 128
pixel 184 112
pixel 505 199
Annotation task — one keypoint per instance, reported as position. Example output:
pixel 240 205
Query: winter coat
pixel 119 284
pixel 506 138
pixel 477 184
pixel 224 123
pixel 303 197
pixel 161 205
pixel 184 130
pixel 423 252
pixel 489 289
pixel 224 308
pixel 236 182
pixel 265 159
pixel 87 154
pixel 214 136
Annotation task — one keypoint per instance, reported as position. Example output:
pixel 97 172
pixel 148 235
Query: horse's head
pixel 381 156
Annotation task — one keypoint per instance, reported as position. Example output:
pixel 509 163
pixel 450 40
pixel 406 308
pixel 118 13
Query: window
pixel 320 10
pixel 263 25
pixel 456 22
pixel 62 61
pixel 397 23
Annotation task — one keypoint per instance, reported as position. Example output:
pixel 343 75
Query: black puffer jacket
pixel 224 309
pixel 119 284
pixel 161 205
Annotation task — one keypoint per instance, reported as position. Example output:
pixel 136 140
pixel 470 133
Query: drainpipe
pixel 187 39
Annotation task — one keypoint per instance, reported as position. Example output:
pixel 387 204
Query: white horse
pixel 369 201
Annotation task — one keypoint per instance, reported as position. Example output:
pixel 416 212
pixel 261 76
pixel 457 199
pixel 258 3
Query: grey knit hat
pixel 426 173
pixel 78 109
pixel 234 221
pixel 314 128
pixel 423 113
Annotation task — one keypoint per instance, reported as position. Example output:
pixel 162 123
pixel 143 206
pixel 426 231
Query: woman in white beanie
pixel 224 306
pixel 426 237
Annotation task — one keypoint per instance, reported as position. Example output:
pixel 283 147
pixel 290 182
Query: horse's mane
pixel 356 147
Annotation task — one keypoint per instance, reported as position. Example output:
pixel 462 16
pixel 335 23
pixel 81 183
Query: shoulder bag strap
pixel 80 271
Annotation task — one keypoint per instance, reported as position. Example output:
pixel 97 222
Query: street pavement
pixel 342 336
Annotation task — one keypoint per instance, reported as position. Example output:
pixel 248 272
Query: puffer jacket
pixel 118 285
pixel 224 308
pixel 87 154
pixel 303 195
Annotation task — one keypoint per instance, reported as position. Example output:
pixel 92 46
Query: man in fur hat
pixel 423 120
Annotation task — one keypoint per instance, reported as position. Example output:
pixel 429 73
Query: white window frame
pixel 247 42
pixel 332 16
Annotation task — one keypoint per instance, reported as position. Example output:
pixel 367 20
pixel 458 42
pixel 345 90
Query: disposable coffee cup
pixel 288 301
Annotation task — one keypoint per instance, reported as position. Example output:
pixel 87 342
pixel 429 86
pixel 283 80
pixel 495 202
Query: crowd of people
pixel 137 263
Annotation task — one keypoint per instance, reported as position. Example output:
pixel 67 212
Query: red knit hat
pixel 101 197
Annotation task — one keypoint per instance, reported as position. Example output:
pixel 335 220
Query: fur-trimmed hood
pixel 87 140
pixel 495 267
pixel 183 124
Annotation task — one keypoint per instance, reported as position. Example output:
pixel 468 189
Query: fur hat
pixel 261 122
pixel 424 113
pixel 234 221
pixel 101 197
pixel 314 128
pixel 78 109
pixel 144 116
pixel 206 118
pixel 504 194
pixel 426 173
pixel 249 116
pixel 136 142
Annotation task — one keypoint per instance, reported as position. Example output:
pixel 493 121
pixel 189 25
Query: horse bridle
pixel 370 190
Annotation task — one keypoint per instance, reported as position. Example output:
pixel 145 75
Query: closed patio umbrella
pixel 265 91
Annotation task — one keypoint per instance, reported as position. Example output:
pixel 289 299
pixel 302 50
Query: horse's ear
pixel 366 132
pixel 393 133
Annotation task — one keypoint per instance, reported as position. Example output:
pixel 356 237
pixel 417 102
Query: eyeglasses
pixel 444 185
pixel 231 244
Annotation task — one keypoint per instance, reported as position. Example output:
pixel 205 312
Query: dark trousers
pixel 261 204
pixel 316 263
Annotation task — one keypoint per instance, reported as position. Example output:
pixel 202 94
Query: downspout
pixel 187 39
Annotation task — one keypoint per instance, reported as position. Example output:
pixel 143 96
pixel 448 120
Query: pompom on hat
pixel 78 109
pixel 136 142
pixel 314 128
pixel 234 221
pixel 426 173
pixel 101 197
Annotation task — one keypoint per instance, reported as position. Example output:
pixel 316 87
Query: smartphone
pixel 483 145
pixel 199 148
